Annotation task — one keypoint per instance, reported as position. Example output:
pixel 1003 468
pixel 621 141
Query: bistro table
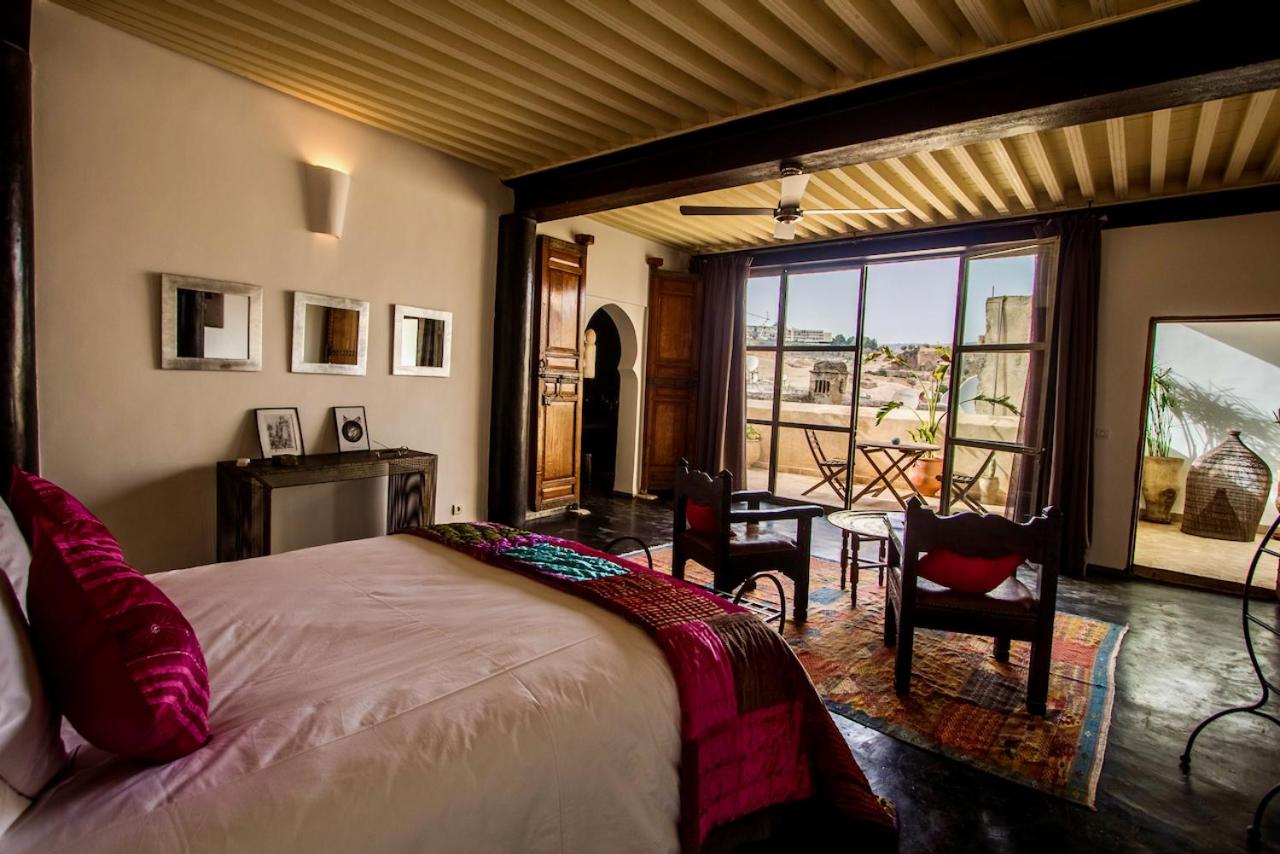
pixel 894 458
pixel 858 526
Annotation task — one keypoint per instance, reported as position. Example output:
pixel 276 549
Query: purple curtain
pixel 721 406
pixel 1072 383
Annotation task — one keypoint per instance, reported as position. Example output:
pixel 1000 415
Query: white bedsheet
pixel 392 695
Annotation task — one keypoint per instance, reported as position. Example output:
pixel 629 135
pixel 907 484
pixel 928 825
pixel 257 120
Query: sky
pixel 907 301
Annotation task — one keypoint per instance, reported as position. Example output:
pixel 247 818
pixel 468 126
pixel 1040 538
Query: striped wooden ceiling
pixel 520 85
pixel 1233 142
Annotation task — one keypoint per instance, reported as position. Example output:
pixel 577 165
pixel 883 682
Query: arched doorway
pixel 601 400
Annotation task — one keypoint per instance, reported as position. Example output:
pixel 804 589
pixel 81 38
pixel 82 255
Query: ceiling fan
pixel 788 212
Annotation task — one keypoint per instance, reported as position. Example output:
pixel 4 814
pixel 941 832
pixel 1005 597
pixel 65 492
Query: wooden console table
pixel 244 493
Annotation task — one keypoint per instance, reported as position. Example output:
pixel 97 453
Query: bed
pixel 388 715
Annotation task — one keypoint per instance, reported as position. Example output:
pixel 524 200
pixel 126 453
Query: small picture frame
pixel 353 428
pixel 279 431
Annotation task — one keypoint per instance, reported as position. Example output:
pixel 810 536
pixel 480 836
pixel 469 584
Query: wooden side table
pixel 855 527
pixel 244 493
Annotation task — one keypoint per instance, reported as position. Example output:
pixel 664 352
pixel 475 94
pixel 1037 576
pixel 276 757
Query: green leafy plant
pixel 1162 399
pixel 935 389
pixel 753 435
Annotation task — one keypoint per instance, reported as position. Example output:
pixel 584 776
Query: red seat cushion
pixel 701 517
pixel 118 657
pixel 967 574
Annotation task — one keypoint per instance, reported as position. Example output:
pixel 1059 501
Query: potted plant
pixel 753 450
pixel 1160 469
pixel 925 473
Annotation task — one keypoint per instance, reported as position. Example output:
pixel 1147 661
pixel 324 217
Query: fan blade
pixel 712 210
pixel 855 211
pixel 784 230
pixel 793 190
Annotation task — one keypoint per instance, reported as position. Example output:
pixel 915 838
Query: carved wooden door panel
pixel 671 374
pixel 562 271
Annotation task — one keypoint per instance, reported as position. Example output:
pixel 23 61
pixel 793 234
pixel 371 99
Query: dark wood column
pixel 509 414
pixel 18 430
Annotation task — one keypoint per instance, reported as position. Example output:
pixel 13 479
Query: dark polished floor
pixel 1182 659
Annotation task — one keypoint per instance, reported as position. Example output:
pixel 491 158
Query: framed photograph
pixel 279 431
pixel 353 428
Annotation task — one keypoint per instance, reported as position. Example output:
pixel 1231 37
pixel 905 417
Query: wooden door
pixel 671 374
pixel 557 429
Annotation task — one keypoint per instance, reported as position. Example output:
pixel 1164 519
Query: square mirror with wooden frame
pixel 330 334
pixel 209 325
pixel 421 341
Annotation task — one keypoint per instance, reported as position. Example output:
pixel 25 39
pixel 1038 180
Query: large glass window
pixel 854 371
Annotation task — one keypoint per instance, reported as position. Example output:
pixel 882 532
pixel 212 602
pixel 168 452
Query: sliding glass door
pixel 854 370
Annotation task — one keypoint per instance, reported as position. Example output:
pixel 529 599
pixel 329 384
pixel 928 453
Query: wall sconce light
pixel 326 199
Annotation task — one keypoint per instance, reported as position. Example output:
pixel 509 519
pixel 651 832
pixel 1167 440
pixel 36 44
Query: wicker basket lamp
pixel 1227 489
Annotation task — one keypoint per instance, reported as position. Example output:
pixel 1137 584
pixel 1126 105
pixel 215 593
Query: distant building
pixel 828 380
pixel 767 332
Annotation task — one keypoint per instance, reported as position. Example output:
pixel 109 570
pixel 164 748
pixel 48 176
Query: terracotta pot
pixel 1159 488
pixel 753 451
pixel 925 475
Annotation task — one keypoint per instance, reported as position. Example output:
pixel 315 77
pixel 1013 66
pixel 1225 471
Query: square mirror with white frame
pixel 209 325
pixel 421 341
pixel 330 335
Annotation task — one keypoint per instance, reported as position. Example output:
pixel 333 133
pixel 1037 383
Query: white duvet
pixel 392 695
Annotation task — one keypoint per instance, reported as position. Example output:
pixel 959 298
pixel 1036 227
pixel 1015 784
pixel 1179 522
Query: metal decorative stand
pixel 765 611
pixel 1251 623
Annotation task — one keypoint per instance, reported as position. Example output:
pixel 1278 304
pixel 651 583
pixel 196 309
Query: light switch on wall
pixel 1102 433
pixel 455 509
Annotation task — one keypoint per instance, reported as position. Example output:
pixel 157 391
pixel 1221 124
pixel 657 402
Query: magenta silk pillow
pixel 967 574
pixel 118 657
pixel 32 497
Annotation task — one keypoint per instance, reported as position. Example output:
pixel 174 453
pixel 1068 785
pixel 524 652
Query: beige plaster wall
pixel 1212 268
pixel 148 162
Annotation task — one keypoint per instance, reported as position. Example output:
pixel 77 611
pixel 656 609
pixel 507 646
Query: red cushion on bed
pixel 967 574
pixel 32 497
pixel 118 657
pixel 701 518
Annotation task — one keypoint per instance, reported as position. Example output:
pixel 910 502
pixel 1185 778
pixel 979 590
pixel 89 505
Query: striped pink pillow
pixel 31 498
pixel 118 657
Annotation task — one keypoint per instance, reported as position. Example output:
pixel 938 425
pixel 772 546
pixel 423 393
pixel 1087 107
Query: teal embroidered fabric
pixel 563 562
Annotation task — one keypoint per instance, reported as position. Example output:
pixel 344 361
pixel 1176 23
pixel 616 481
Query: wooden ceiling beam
pixel 1206 127
pixel 1254 115
pixel 840 197
pixel 604 68
pixel 1160 121
pixel 855 186
pixel 583 29
pixel 1045 15
pixel 624 220
pixel 1044 168
pixel 921 189
pixel 969 165
pixel 1080 161
pixel 947 181
pixel 1103 8
pixel 1271 172
pixel 1119 156
pixel 715 38
pixel 689 229
pixel 239 38
pixel 869 22
pixel 1204 54
pixel 1005 157
pixel 931 24
pixel 636 26
pixel 987 19
pixel 896 197
pixel 760 28
pixel 811 21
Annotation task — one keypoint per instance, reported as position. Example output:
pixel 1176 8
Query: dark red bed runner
pixel 755 734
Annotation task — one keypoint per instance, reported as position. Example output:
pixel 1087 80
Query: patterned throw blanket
pixel 755 735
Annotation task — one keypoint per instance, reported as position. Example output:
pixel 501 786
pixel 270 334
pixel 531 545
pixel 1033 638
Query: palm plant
pixel 935 389
pixel 1161 401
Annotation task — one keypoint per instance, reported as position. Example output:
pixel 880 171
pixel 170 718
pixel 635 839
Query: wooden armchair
pixel 739 547
pixel 1012 611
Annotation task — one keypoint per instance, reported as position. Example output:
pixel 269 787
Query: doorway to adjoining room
pixel 602 392
pixel 1210 450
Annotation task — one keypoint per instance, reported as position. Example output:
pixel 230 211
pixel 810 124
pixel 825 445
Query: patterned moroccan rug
pixel 963 703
